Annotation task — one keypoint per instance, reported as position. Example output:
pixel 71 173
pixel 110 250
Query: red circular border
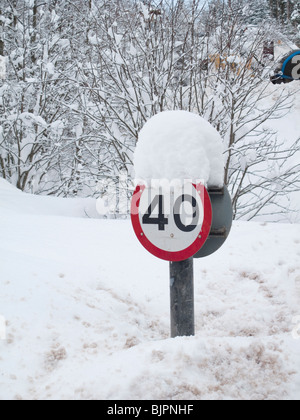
pixel 166 255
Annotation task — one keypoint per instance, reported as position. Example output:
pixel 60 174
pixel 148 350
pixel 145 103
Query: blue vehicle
pixel 288 69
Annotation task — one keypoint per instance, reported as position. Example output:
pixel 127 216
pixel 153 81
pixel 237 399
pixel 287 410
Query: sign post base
pixel 182 298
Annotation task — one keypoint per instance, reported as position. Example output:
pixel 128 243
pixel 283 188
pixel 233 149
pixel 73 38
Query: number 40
pixel 161 220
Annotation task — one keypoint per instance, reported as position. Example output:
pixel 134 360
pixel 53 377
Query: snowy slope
pixel 288 127
pixel 29 204
pixel 87 311
pixel 289 131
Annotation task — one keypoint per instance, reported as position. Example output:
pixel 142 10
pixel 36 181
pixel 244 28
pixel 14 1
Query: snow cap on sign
pixel 179 145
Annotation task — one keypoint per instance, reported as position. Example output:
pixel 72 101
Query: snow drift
pixel 14 201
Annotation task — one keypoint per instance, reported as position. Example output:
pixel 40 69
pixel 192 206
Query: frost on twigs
pixel 179 145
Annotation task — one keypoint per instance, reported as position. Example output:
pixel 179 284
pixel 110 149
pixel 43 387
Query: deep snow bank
pixel 13 200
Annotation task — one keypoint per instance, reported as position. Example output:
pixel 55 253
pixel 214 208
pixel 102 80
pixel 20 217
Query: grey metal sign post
pixel 182 298
pixel 182 273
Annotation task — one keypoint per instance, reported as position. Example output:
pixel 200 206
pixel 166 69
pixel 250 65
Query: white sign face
pixel 172 223
pixel 173 219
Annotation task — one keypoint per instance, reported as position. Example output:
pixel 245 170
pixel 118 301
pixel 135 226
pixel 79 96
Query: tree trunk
pixel 34 27
pixel 1 36
pixel 289 10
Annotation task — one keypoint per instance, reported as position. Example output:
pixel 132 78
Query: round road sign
pixel 172 223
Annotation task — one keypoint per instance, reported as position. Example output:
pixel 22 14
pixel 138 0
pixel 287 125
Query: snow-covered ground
pixel 87 310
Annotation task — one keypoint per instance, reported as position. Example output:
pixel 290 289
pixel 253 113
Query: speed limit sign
pixel 172 223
